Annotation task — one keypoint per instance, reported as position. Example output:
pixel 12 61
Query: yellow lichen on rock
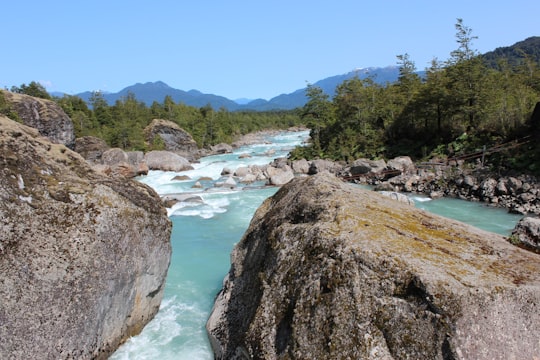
pixel 328 270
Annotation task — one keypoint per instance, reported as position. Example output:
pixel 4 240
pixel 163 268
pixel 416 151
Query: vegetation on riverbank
pixel 457 107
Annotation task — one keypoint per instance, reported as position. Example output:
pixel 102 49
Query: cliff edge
pixel 327 270
pixel 83 257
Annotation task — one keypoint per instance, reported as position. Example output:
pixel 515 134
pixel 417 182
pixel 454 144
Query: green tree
pixel 101 109
pixel 83 121
pixel 6 110
pixel 34 89
pixel 317 113
pixel 131 116
pixel 466 73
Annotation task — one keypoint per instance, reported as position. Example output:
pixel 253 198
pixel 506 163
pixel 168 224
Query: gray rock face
pixel 365 166
pixel 321 165
pixel 527 233
pixel 331 271
pixel 91 148
pixel 400 163
pixel 166 161
pixel 173 137
pixel 44 115
pixel 279 176
pixel 83 257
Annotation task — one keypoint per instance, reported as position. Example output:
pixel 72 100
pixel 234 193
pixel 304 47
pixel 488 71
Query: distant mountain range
pixel 157 91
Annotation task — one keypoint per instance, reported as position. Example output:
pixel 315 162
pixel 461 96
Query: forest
pixel 457 106
pixel 122 124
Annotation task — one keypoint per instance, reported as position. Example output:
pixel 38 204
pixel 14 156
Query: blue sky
pixel 238 48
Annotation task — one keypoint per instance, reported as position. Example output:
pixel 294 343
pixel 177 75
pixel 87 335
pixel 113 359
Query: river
pixel 204 233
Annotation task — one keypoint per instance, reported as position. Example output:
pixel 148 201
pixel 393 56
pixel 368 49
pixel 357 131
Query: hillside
pixel 515 54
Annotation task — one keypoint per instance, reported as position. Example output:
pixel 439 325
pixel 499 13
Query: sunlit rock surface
pixel 83 256
pixel 330 271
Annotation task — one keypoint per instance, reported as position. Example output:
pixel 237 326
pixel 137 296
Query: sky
pixel 238 48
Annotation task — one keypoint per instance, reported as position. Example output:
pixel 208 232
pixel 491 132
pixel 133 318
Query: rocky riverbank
pixel 519 194
pixel 83 256
pixel 329 271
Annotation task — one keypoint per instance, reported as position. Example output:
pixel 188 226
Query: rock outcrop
pixel 172 136
pixel 527 234
pixel 44 115
pixel 331 271
pixel 83 257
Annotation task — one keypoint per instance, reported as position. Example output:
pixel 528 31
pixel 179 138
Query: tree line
pixel 122 124
pixel 456 106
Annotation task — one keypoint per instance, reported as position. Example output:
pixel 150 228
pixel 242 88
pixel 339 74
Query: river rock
pixel 44 115
pixel 248 179
pixel 166 161
pixel 227 171
pixel 114 156
pixel 117 162
pixel 91 148
pixel 222 149
pixel 242 171
pixel 366 166
pixel 527 233
pixel 83 257
pixel 330 271
pixel 300 166
pixel 279 176
pixel 401 164
pixel 181 178
pixel 174 138
pixel 322 165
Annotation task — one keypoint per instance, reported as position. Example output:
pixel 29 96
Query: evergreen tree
pixel 34 89
pixel 317 113
pixel 466 73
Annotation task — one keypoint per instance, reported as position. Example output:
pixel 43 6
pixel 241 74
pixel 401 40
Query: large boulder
pixel 44 115
pixel 331 271
pixel 527 233
pixel 366 166
pixel 400 164
pixel 166 161
pixel 117 162
pixel 300 166
pixel 173 137
pixel 222 148
pixel 83 257
pixel 91 148
pixel 279 176
pixel 322 165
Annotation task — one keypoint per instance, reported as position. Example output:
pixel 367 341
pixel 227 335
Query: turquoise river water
pixel 204 234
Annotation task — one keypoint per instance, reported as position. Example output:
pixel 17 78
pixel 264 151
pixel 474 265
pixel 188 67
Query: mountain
pixel 157 91
pixel 242 101
pixel 515 54
pixel 298 98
